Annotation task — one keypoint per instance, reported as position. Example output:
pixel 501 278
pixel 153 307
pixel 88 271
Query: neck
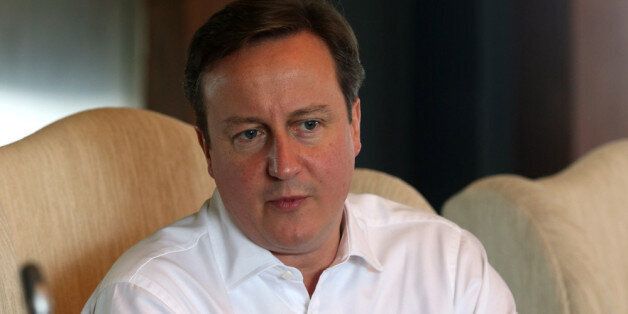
pixel 313 263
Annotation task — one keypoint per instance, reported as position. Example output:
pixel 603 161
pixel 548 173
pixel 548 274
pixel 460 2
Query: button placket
pixel 287 275
pixel 285 284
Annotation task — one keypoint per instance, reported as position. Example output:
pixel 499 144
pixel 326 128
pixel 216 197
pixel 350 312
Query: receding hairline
pixel 244 22
pixel 212 77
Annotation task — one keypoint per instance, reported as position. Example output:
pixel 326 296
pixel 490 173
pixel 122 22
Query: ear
pixel 356 115
pixel 205 146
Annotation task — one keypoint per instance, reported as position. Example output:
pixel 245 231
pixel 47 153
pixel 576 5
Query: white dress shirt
pixel 391 259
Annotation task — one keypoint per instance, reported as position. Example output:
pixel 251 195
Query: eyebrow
pixel 235 120
pixel 322 109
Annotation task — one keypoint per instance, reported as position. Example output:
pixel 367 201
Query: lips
pixel 287 203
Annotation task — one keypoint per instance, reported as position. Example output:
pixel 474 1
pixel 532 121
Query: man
pixel 274 84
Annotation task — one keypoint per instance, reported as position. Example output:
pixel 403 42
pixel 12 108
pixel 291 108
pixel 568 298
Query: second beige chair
pixel 560 242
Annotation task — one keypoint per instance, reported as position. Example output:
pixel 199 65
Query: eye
pixel 249 139
pixel 248 135
pixel 310 124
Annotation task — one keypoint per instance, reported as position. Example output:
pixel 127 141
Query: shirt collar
pixel 355 239
pixel 238 257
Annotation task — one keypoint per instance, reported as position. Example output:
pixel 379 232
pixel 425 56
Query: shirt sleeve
pixel 125 298
pixel 479 288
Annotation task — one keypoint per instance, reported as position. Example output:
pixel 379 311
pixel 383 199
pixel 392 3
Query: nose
pixel 283 159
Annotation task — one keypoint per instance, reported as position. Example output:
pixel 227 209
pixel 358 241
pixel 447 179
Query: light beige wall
pixel 61 57
pixel 599 72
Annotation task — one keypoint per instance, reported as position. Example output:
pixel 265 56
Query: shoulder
pixel 173 270
pixel 424 236
pixel 158 267
pixel 160 272
pixel 446 257
pixel 378 212
pixel 179 238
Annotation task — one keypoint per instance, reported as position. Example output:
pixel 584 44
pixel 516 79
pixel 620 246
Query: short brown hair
pixel 245 22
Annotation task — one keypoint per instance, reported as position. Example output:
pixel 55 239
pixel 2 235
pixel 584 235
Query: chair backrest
pixel 78 193
pixel 560 242
pixel 388 186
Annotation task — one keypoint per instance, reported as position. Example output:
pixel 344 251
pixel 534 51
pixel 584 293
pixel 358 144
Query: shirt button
pixel 287 275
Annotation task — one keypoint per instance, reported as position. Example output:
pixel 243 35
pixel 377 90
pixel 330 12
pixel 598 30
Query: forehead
pixel 272 68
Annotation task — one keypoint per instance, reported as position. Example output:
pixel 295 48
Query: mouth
pixel 287 203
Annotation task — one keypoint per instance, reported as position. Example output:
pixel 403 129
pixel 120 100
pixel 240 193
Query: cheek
pixel 234 174
pixel 240 188
pixel 335 163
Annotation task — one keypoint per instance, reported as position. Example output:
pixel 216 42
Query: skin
pixel 282 148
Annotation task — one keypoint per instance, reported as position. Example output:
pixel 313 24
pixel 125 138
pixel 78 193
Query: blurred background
pixel 454 90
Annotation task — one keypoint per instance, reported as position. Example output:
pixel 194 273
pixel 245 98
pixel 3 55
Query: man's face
pixel 282 147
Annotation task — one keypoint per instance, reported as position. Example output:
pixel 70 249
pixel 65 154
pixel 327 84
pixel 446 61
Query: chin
pixel 296 244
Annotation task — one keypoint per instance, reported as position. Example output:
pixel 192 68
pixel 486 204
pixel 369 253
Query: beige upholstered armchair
pixel 79 192
pixel 560 242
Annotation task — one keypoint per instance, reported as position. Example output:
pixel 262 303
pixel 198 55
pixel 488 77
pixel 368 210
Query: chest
pixel 346 288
